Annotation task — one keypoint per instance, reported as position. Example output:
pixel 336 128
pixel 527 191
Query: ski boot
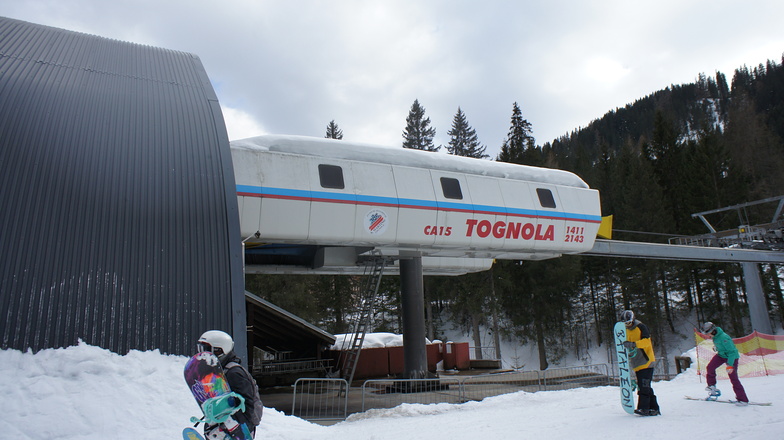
pixel 714 393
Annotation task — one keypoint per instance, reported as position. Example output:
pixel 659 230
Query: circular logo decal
pixel 376 221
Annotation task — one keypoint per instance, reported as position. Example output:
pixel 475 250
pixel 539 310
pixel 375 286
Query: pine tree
pixel 665 153
pixel 519 145
pixel 535 297
pixel 755 148
pixel 469 294
pixel 463 139
pixel 418 133
pixel 333 131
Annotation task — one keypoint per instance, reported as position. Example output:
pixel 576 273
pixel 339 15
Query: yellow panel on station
pixel 605 228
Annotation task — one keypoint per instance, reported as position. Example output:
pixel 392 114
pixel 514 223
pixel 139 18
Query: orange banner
pixel 760 354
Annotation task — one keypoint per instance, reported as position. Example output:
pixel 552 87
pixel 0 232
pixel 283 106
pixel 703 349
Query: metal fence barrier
pixel 285 367
pixel 488 385
pixel 320 399
pixel 576 377
pixel 324 400
pixel 388 393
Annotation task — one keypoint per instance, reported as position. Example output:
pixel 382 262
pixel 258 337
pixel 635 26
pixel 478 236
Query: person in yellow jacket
pixel 641 360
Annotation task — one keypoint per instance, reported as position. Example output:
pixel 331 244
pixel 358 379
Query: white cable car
pixel 320 205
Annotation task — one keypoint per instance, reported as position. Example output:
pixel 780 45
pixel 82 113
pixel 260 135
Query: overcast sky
pixel 289 66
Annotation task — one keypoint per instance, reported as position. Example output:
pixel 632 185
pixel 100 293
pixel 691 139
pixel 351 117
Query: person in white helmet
pixel 239 378
pixel 726 353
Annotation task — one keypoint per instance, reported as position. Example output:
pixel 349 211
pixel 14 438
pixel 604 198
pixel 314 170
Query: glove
pixel 634 384
pixel 730 369
pixel 629 345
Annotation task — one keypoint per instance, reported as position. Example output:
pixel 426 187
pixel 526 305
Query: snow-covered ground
pixel 86 392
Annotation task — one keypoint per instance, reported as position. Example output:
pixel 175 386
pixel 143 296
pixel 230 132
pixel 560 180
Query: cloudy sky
pixel 291 66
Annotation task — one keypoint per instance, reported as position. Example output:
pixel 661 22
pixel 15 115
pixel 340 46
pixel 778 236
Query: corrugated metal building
pixel 118 214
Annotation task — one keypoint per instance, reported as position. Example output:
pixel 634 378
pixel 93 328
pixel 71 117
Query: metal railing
pixel 481 353
pixel 323 400
pixel 488 385
pixel 388 393
pixel 294 366
pixel 320 400
pixel 576 377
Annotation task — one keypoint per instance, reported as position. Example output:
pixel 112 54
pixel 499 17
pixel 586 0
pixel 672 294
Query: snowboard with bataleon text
pixel 208 384
pixel 624 369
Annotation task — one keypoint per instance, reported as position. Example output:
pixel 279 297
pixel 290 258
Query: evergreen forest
pixel 686 149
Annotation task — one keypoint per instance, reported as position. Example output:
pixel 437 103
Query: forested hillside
pixel 685 149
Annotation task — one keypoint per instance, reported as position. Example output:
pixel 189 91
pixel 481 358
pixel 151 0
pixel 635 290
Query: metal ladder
pixel 374 269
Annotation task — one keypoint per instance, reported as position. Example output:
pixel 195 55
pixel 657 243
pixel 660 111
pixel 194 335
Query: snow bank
pixel 373 340
pixel 85 392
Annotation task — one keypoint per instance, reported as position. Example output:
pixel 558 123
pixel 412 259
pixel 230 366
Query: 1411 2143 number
pixel 574 234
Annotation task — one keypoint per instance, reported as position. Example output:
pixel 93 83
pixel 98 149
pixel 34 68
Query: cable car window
pixel 331 176
pixel 451 188
pixel 546 198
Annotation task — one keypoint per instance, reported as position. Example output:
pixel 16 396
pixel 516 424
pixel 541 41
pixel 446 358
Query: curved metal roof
pixel 118 220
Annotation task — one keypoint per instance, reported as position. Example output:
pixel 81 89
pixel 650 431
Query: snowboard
pixel 624 369
pixel 191 434
pixel 204 377
pixel 726 401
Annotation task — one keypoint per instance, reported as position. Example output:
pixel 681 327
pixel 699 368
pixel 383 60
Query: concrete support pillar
pixel 413 307
pixel 758 310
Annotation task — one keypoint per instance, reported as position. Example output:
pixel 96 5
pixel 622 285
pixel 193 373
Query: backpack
pixel 258 408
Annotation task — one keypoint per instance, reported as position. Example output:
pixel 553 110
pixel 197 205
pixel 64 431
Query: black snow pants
pixel 645 398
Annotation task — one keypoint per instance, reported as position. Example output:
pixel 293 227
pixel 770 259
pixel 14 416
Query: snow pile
pixel 373 340
pixel 86 392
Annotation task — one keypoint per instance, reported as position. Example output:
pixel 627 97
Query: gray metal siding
pixel 118 222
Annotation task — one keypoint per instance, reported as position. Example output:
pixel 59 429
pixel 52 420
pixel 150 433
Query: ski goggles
pixel 202 347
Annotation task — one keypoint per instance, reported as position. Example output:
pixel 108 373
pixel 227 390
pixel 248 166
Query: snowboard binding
pixel 714 393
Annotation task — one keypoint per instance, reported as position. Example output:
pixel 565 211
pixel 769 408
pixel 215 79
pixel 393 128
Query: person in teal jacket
pixel 726 352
